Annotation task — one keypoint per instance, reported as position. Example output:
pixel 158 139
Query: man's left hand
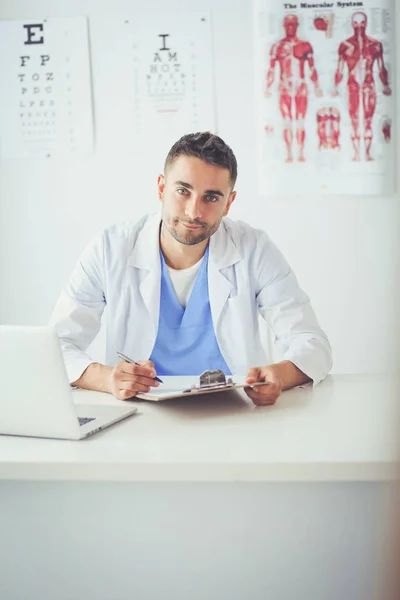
pixel 264 395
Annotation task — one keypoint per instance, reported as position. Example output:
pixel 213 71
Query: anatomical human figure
pixel 292 54
pixel 359 53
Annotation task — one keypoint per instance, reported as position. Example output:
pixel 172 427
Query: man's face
pixel 195 197
pixel 291 24
pixel 359 23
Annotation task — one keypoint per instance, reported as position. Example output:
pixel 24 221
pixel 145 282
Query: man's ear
pixel 230 200
pixel 161 186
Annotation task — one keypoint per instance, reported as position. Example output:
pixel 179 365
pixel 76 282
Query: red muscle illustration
pixel 359 53
pixel 292 54
pixel 321 24
pixel 324 23
pixel 387 130
pixel 328 127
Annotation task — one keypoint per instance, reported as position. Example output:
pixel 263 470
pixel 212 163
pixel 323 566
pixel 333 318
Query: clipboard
pixel 209 382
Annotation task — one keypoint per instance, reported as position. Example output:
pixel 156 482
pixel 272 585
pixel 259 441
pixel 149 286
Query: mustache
pixel 195 222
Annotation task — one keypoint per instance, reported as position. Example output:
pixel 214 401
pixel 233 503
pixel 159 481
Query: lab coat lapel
pixel 146 257
pixel 223 254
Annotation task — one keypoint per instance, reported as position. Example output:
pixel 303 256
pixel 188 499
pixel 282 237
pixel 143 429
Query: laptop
pixel 35 395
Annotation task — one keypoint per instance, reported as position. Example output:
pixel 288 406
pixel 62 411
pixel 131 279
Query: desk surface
pixel 345 429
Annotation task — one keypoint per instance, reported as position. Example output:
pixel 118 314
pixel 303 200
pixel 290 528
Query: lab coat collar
pixel 223 252
pixel 146 258
pixel 146 252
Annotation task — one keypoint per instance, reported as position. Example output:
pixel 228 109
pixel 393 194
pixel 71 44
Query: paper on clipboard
pixel 182 386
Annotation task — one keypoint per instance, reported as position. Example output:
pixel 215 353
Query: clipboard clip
pixel 211 380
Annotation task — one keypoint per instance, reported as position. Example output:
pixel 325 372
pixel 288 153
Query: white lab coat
pixel 246 274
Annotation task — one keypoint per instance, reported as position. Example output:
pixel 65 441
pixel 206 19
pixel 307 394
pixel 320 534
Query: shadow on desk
pixel 229 403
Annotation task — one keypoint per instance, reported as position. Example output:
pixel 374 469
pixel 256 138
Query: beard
pixel 187 237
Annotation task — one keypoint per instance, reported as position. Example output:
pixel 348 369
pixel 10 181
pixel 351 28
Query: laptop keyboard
pixel 84 420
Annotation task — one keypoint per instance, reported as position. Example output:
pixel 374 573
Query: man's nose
pixel 193 207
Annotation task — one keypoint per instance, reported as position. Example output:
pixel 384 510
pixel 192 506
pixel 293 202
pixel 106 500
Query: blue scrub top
pixel 186 342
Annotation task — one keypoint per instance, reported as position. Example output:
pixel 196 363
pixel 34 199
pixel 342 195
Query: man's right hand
pixel 126 380
pixel 123 381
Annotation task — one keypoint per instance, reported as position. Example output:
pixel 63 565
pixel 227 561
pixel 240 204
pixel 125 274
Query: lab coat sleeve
pixel 77 314
pixel 288 311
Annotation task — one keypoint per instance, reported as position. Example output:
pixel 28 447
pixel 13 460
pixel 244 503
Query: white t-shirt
pixel 183 281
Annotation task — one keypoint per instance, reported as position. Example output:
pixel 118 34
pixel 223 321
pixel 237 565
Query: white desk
pixel 207 497
pixel 344 429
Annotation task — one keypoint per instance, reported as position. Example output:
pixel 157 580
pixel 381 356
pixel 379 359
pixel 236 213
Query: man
pixel 292 54
pixel 183 291
pixel 359 53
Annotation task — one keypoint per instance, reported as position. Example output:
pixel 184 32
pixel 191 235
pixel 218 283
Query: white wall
pixel 344 250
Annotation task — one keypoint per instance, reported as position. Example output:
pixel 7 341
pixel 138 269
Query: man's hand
pixel 126 379
pixel 264 395
pixel 278 377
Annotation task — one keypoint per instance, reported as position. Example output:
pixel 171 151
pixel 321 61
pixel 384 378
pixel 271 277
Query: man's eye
pixel 182 191
pixel 211 198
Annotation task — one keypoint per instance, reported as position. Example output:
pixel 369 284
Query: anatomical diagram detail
pixel 359 54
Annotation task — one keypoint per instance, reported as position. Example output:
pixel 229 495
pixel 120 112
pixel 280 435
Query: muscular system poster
pixel 325 94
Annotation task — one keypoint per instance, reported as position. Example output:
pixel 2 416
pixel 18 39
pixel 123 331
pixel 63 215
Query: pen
pixel 129 360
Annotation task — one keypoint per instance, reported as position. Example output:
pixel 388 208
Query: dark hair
pixel 207 147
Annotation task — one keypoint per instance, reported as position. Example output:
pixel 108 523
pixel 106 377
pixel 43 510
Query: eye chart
pixel 45 100
pixel 161 71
